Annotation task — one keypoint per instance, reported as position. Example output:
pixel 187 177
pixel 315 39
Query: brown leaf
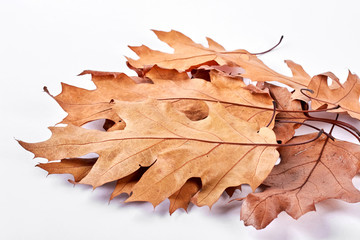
pixel 256 70
pixel 182 197
pixel 285 130
pixel 188 128
pixel 181 60
pixel 346 95
pixel 189 55
pixel 307 174
pixel 187 95
pixel 126 184
pixel 182 149
pixel 78 167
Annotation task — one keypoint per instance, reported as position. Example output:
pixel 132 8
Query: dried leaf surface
pixel 346 95
pixel 126 184
pixel 78 167
pixel 182 197
pixel 182 148
pixel 188 128
pixel 307 174
pixel 187 95
pixel 284 128
pixel 189 55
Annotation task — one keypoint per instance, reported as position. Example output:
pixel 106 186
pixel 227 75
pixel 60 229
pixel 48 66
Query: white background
pixel 48 42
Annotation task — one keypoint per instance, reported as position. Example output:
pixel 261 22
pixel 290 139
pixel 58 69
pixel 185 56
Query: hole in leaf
pixel 61 125
pixel 356 182
pixel 329 81
pixel 278 161
pixel 247 81
pixel 90 156
pixel 105 125
pixel 96 125
pixel 279 141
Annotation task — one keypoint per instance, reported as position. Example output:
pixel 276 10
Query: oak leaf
pixel 189 55
pixel 182 149
pixel 187 95
pixel 307 174
pixel 78 167
pixel 187 128
pixel 344 95
pixel 287 122
pixel 126 184
pixel 182 197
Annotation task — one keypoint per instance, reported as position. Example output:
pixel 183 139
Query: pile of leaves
pixel 188 128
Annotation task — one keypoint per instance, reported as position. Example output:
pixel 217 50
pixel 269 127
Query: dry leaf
pixel 189 55
pixel 182 197
pixel 188 128
pixel 182 148
pixel 346 96
pixel 286 121
pixel 78 167
pixel 307 174
pixel 126 184
pixel 84 105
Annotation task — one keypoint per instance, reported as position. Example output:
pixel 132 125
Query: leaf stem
pixel 273 115
pixel 347 127
pixel 314 98
pixel 269 50
pixel 308 125
pixel 307 114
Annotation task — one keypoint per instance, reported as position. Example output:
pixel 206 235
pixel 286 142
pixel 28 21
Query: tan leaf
pixel 182 148
pixel 189 55
pixel 182 197
pixel 256 70
pixel 126 184
pixel 188 128
pixel 284 129
pixel 187 95
pixel 181 60
pixel 346 95
pixel 78 167
pixel 307 174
